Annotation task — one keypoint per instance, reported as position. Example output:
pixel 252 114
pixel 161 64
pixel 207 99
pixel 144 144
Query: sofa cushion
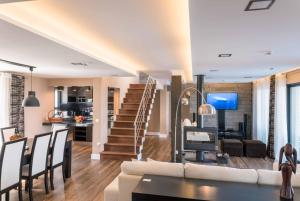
pixel 111 192
pixel 153 167
pixel 220 173
pixel 270 177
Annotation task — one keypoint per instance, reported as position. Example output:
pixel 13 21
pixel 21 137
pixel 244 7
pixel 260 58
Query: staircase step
pixel 130 105
pixel 120 147
pixel 124 131
pixel 128 111
pixel 125 124
pixel 134 96
pixel 137 86
pixel 136 91
pixel 111 155
pixel 123 139
pixel 132 100
pixel 126 117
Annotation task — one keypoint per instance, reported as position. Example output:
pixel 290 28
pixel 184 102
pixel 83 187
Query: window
pixel 294 115
pixel 57 99
pixel 5 92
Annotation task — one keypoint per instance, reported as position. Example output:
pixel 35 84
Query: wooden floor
pixel 89 178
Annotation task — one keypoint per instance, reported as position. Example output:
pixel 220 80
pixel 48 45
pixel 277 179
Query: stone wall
pixel 232 117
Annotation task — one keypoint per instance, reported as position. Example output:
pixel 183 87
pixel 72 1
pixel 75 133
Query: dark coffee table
pixel 162 188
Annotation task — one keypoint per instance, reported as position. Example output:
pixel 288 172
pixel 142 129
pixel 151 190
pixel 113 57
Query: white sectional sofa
pixel 132 171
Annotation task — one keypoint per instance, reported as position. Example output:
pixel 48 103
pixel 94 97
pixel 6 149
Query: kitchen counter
pixel 81 131
pixel 70 123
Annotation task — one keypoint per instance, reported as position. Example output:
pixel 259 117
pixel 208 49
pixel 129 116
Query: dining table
pixel 67 156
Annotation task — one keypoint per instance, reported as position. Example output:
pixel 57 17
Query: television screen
pixel 223 101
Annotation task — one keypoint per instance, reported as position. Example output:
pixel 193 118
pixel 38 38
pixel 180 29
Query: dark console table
pixel 162 188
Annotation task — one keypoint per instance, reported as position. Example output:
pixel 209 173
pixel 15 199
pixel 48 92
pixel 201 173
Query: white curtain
pixel 280 118
pixel 295 117
pixel 261 102
pixel 5 82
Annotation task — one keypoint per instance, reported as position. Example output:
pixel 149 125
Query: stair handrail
pixel 140 116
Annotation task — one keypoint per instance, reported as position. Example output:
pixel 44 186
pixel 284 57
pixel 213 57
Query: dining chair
pixel 38 163
pixel 11 158
pixel 56 127
pixel 7 132
pixel 57 153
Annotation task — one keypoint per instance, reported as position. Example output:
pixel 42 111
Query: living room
pixel 253 145
pixel 150 100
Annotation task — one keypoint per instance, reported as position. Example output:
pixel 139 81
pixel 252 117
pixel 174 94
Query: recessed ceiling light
pixel 265 52
pixel 259 5
pixel 213 70
pixel 268 52
pixel 225 55
pixel 248 77
pixel 79 64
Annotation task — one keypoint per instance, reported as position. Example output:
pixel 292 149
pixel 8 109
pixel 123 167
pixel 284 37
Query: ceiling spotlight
pixel 79 64
pixel 265 52
pixel 259 5
pixel 225 55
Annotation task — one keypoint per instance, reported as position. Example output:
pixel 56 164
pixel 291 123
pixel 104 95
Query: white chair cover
pixel 7 133
pixel 60 138
pixel 40 153
pixel 56 127
pixel 12 153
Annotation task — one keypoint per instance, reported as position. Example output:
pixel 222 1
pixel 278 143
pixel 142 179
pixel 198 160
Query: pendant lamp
pixel 31 100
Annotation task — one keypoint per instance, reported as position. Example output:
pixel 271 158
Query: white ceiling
pixel 219 26
pixel 153 36
pixel 129 34
pixel 50 58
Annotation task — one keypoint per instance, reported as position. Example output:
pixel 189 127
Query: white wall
pixel 34 117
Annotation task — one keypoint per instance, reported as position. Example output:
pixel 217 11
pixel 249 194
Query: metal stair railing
pixel 141 113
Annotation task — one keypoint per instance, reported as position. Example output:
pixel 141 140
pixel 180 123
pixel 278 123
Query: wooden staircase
pixel 121 141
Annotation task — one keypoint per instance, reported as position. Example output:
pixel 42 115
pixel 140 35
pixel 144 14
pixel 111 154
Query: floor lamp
pixel 204 109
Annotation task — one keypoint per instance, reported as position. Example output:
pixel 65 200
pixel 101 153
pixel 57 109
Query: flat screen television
pixel 223 101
